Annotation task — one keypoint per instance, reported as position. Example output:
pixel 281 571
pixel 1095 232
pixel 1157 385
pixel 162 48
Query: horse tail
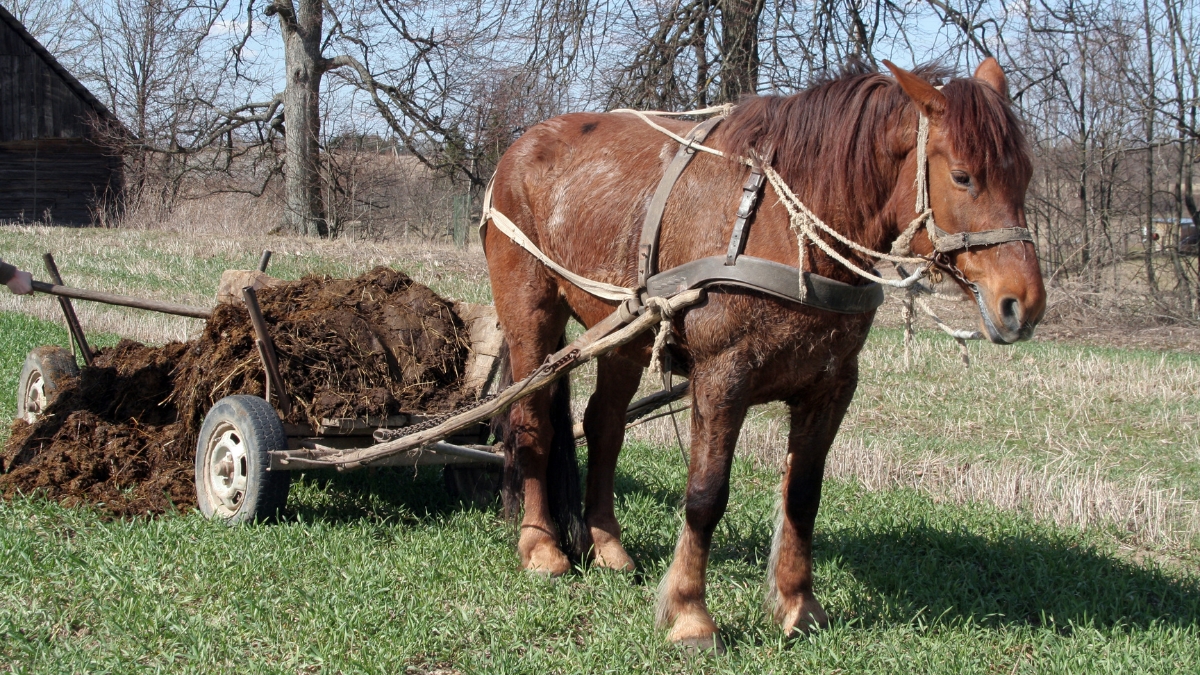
pixel 563 490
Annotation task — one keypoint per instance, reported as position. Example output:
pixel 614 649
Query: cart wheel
pixel 45 372
pixel 233 480
pixel 477 486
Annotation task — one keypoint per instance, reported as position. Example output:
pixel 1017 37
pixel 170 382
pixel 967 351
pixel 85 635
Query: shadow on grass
pixel 1038 578
pixel 1023 575
pixel 387 494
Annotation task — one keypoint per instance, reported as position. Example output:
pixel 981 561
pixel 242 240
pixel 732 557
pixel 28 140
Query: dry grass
pixel 1068 494
pixel 185 266
pixel 1092 438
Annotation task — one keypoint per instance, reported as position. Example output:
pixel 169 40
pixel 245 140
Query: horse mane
pixel 833 145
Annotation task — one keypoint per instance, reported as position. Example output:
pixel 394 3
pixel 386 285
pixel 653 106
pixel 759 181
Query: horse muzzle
pixel 1008 318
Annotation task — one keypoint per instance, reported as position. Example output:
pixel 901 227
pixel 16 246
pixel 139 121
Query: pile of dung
pixel 123 434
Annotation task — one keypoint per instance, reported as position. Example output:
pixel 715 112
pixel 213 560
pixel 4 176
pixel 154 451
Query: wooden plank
pixel 122 300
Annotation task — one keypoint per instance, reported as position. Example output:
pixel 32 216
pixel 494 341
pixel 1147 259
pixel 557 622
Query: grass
pixel 380 572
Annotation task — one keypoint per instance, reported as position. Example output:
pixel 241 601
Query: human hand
pixel 21 283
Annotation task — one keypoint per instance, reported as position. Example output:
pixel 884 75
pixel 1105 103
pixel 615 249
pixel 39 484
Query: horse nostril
pixel 1010 313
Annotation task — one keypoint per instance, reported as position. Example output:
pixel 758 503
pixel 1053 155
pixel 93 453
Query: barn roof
pixel 73 84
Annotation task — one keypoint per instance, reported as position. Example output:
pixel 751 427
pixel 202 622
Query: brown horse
pixel 578 186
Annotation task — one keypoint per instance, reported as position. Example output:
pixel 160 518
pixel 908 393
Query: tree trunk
pixel 739 48
pixel 1151 109
pixel 305 212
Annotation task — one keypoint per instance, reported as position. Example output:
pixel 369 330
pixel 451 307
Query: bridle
pixel 944 243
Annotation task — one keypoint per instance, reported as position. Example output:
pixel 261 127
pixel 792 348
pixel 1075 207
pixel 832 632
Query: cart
pixel 246 454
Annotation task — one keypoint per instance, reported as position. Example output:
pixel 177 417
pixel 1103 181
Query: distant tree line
pixel 261 94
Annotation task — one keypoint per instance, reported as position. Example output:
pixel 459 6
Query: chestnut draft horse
pixel 579 186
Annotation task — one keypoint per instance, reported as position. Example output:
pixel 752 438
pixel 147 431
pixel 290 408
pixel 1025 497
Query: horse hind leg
pixel 531 431
pixel 604 426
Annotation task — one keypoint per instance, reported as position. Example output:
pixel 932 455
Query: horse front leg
pixel 717 414
pixel 604 425
pixel 814 423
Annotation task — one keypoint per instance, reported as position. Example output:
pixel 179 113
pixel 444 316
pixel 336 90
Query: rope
pixel 666 314
pixel 596 288
pixel 723 110
pixel 802 220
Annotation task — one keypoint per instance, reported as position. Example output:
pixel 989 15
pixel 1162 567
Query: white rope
pixel 680 139
pixel 596 288
pixel 802 220
pixel 664 332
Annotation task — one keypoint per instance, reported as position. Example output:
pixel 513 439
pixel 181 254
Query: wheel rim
pixel 226 467
pixel 35 397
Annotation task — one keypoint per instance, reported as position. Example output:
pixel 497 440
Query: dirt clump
pixel 123 434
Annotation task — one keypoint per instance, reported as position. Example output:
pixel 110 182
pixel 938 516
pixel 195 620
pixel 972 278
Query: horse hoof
pixel 808 618
pixel 702 644
pixel 608 553
pixel 616 560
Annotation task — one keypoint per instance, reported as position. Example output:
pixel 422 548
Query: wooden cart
pixel 245 454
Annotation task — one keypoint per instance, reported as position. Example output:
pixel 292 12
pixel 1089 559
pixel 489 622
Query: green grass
pixel 380 572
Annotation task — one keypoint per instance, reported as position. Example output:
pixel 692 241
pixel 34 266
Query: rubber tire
pixel 477 486
pixel 261 432
pixel 55 365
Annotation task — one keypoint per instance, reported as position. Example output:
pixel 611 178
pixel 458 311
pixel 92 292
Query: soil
pixel 122 435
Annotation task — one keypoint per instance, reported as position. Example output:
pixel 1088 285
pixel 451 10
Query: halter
pixel 946 242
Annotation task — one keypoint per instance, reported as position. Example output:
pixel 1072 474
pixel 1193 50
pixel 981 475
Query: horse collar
pixel 734 268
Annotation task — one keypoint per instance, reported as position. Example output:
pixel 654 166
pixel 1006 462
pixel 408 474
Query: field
pixel 1035 513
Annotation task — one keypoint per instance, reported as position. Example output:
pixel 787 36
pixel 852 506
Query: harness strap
pixel 648 246
pixel 750 193
pixel 945 242
pixel 769 277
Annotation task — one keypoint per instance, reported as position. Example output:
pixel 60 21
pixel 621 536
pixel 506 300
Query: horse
pixel 579 185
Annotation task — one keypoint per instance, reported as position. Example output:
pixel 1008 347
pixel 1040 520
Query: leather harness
pixel 734 268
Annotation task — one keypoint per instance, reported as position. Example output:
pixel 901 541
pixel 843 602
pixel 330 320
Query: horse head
pixel 978 172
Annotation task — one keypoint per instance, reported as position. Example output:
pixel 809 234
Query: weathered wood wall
pixel 50 163
pixel 67 178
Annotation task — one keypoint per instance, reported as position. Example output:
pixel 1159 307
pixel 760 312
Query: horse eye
pixel 961 178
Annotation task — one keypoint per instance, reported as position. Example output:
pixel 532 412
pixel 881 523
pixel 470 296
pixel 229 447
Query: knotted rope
pixel 666 316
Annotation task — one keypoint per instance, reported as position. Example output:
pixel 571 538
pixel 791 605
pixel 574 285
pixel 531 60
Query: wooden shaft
pixel 266 350
pixel 121 300
pixel 264 260
pixel 68 310
pixel 262 354
pixel 589 347
pixel 646 405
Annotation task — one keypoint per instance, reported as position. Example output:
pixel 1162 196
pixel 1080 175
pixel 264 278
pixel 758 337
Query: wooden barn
pixel 50 161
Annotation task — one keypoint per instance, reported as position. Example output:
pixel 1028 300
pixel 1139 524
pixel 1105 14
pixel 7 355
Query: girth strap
pixel 648 247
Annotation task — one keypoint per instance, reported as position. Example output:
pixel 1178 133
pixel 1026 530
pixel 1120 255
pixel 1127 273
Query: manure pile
pixel 123 435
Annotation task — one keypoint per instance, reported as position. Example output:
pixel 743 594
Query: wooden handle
pixel 122 300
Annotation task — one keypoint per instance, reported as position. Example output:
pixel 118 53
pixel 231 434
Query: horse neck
pixel 856 177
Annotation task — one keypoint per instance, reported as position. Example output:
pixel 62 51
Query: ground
pixel 1036 513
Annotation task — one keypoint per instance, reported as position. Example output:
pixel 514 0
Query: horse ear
pixel 925 95
pixel 989 72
